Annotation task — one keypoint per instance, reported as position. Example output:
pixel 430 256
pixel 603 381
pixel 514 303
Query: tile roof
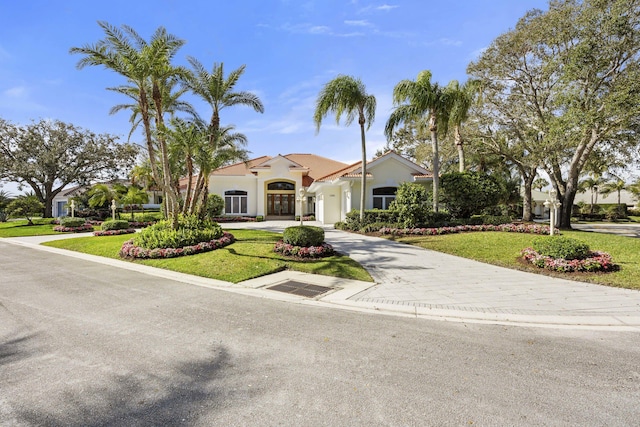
pixel 241 168
pixel 316 166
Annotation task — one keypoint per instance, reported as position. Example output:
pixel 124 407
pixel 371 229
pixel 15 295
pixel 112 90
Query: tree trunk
pixel 526 198
pixel 458 140
pixel 436 160
pixel 363 182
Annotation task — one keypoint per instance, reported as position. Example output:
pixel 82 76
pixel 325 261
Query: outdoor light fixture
pixel 553 205
pixel 301 200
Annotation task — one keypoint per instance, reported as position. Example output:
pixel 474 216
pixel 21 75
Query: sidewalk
pixel 415 282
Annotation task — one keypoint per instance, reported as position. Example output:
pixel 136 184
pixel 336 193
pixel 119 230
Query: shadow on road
pixel 173 397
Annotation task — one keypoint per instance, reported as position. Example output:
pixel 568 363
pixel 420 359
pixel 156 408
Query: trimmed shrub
pixel 68 221
pixel 468 193
pixel 340 225
pixel 437 219
pixel 259 218
pixel 303 235
pixel 118 224
pixel 371 216
pixel 215 205
pixel 411 204
pixel 191 231
pixel 489 219
pixel 561 247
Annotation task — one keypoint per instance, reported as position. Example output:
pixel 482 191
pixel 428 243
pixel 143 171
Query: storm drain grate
pixel 299 288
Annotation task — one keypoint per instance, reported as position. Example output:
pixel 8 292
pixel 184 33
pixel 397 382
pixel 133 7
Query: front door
pixel 281 204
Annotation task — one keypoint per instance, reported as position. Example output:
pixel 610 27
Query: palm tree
pixel 347 95
pixel 540 183
pixel 147 67
pixel 463 97
pixel 100 195
pixel 592 184
pixel 227 148
pixel 219 92
pixel 134 196
pixel 613 186
pixel 417 99
pixel 170 98
pixel 185 138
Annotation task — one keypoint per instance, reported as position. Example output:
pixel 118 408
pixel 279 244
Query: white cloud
pixel 386 7
pixel 18 98
pixel 358 23
pixel 306 28
pixel 16 92
pixel 319 29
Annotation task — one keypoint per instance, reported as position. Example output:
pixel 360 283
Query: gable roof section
pixel 312 166
pixel 240 168
pixel 355 170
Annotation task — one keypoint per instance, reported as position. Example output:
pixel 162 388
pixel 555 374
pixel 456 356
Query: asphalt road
pixel 84 344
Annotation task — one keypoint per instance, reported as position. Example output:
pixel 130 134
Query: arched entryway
pixel 281 199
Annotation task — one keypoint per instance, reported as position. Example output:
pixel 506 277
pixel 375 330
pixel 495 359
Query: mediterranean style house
pixel 61 200
pixel 284 186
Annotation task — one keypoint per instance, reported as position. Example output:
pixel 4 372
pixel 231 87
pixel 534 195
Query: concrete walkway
pixel 416 282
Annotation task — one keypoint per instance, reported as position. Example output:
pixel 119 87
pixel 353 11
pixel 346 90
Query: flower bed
pixel 234 219
pixel 140 224
pixel 304 251
pixel 129 250
pixel 80 229
pixel 596 261
pixel 114 232
pixel 511 228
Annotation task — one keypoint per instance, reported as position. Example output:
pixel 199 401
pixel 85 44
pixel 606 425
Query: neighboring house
pixel 62 199
pixel 272 187
pixel 539 197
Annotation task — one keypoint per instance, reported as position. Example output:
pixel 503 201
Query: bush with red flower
pixel 510 228
pixel 162 240
pixel 286 249
pixel 114 232
pixel 303 241
pixel 564 254
pixel 72 225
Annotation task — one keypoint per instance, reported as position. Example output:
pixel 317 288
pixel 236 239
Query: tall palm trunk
pixel 363 181
pixel 458 141
pixel 172 200
pixel 433 128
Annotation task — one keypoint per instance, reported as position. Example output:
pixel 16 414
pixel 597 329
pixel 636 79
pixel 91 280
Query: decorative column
pixel 301 193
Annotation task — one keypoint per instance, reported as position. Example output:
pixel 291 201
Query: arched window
pixel 281 186
pixel 383 196
pixel 235 202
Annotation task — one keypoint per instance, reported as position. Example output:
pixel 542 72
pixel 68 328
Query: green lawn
pixel 20 228
pixel 503 249
pixel 250 256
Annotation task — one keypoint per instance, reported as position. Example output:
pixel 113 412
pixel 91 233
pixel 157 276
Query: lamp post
pixel 113 209
pixel 553 205
pixel 73 209
pixel 301 200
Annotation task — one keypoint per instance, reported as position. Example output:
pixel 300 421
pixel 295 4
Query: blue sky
pixel 290 48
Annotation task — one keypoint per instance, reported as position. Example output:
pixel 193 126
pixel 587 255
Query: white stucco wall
pixel 219 184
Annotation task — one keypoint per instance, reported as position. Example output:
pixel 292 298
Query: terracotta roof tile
pixel 317 166
pixel 240 168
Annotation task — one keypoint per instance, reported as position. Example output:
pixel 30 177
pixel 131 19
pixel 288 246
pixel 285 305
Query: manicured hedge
pixel 303 235
pixel 118 224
